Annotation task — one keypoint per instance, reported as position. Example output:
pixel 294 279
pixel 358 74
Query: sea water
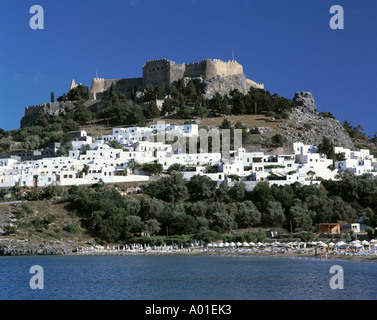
pixel 185 277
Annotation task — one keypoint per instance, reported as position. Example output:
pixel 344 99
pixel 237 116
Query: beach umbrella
pixel 365 243
pixel 355 244
pixel 232 244
pixel 252 244
pixel 221 245
pixel 340 244
pixel 239 244
pixel 209 245
pixel 226 244
pixel 331 244
pixel 245 244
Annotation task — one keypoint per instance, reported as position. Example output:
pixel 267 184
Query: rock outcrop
pixel 305 102
pixel 26 248
pixel 313 126
pixel 224 85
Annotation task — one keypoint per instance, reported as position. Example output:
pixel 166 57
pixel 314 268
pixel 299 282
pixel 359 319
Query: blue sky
pixel 287 45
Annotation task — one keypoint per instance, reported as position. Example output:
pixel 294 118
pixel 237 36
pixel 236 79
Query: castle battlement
pixel 167 71
pixel 156 71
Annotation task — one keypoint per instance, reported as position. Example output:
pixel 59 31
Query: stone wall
pixel 196 69
pixel 165 71
pixel 156 71
pixel 53 109
pixel 121 86
pixel 215 67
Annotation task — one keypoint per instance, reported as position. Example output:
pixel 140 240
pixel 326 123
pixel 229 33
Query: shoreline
pixel 19 249
pixel 201 252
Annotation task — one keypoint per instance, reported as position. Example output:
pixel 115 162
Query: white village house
pixel 292 163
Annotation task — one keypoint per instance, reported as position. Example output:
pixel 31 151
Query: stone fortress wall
pixel 100 85
pixel 165 71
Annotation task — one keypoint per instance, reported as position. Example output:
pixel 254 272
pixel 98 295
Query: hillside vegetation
pixel 190 209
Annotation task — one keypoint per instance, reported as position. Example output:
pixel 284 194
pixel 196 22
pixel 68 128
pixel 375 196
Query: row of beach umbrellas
pixel 232 244
pixel 355 244
pixel 340 244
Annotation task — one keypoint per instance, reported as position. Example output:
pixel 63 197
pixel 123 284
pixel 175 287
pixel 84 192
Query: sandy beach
pixel 308 254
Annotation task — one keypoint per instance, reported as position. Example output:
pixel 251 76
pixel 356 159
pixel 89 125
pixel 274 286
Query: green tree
pixel 41 120
pixel 201 111
pixel 152 226
pixel 301 217
pixel 152 110
pixel 82 114
pixel 168 106
pixel 133 94
pixel 110 229
pixel 237 191
pixel 81 92
pixel 5 146
pixel 327 147
pixel 262 195
pixel 222 221
pixel 176 167
pixel 201 188
pixel 133 225
pixel 174 220
pixel 132 207
pixel 153 168
pixel 133 165
pixel 278 140
pixel 176 188
pixel 113 97
pixel 237 102
pixel 63 150
pixel 160 91
pixel 275 216
pixel 32 143
pixel 222 192
pixel 219 105
pixel 248 215
pixel 197 208
pixel 149 93
pixel 151 208
pixel 70 125
pixel 136 115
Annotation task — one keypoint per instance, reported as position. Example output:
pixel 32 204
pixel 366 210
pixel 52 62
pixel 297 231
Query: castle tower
pixel 98 85
pixel 73 85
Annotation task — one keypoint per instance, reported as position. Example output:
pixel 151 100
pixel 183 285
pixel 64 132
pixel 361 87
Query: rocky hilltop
pixel 224 85
pixel 315 125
